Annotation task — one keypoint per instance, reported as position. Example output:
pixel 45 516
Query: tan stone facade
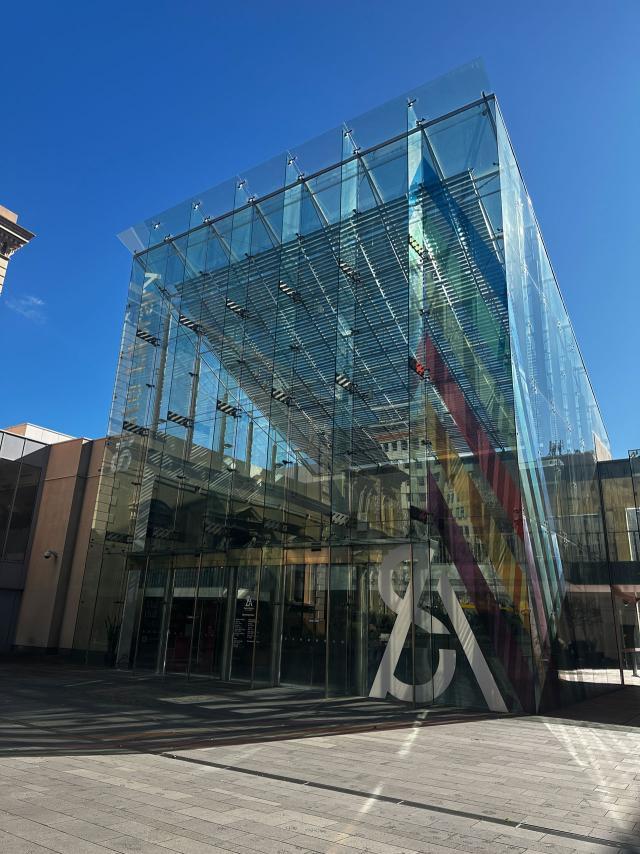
pixel 12 238
pixel 44 582
pixel 52 587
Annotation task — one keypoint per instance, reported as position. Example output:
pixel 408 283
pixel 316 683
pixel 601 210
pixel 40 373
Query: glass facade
pixel 351 428
pixel 21 465
pixel 620 574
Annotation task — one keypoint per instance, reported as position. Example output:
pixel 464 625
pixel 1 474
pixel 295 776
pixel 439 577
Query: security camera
pixel 49 553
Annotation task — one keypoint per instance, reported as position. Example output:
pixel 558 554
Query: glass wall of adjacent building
pixel 621 507
pixel 22 462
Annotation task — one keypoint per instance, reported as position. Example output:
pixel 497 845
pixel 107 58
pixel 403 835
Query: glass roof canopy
pixel 432 100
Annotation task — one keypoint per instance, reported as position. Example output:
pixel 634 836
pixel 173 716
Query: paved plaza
pixel 91 764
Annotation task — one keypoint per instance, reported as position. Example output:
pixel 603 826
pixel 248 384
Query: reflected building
pixel 350 425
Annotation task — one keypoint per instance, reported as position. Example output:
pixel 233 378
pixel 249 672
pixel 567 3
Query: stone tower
pixel 12 237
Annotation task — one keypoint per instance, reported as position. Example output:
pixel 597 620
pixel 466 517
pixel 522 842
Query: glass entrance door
pixel 181 620
pixel 304 647
pixel 208 633
pixel 151 632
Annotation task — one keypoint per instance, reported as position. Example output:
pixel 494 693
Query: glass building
pixel 352 436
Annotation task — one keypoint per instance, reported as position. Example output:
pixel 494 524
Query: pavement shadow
pixel 615 708
pixel 51 707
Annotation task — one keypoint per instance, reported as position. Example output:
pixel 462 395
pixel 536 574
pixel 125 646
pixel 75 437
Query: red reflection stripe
pixel 495 622
pixel 490 463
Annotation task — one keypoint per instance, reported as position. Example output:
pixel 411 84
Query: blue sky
pixel 119 110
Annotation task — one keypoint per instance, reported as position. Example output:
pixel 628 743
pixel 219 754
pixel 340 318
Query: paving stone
pixel 466 778
pixel 184 845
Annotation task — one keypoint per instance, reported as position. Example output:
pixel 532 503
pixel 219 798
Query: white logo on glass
pixel 386 682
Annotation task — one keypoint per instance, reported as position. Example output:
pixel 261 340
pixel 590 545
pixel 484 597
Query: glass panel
pixel 390 638
pixel 208 644
pixel 9 472
pixel 181 619
pixel 244 623
pixel 152 632
pixel 12 447
pixel 131 612
pixel 465 142
pixel 267 627
pixel 346 629
pixel 303 661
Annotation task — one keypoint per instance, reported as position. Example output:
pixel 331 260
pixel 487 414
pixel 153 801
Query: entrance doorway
pixel 181 617
pixel 150 635
pixel 181 620
pixel 304 630
pixel 208 631
pixel 253 621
